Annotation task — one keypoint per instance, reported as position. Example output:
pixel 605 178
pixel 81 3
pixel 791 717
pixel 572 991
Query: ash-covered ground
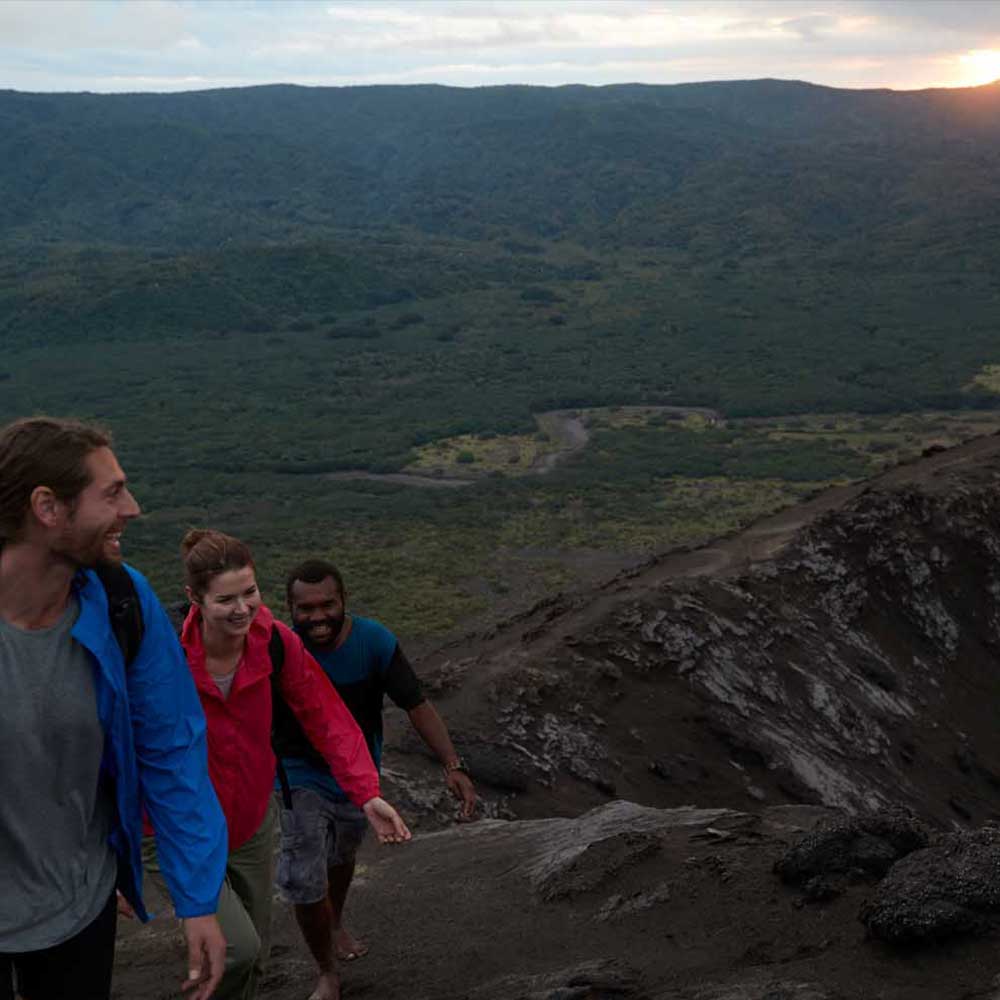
pixel 763 770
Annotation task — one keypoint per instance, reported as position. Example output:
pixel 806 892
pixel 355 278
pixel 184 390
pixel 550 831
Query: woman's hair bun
pixel 207 553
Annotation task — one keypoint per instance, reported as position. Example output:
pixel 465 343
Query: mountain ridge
pixel 454 161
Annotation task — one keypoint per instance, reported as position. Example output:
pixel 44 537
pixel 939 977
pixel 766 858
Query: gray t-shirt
pixel 57 869
pixel 224 682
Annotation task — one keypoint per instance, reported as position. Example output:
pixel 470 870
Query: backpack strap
pixel 124 609
pixel 276 650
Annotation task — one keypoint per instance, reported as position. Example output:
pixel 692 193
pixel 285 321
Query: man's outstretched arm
pixel 429 724
pixel 403 686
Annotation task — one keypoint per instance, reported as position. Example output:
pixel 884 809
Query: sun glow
pixel 979 66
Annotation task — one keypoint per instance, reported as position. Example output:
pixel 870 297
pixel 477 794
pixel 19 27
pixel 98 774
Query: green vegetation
pixel 432 559
pixel 259 288
pixel 988 379
pixel 492 454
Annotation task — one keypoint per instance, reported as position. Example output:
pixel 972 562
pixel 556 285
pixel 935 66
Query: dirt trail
pixel 403 479
pixel 572 432
pixel 565 426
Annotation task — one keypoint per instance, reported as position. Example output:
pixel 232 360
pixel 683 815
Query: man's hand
pixel 125 908
pixel 206 956
pixel 385 821
pixel 460 785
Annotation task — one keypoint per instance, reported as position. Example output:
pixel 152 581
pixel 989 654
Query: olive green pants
pixel 244 907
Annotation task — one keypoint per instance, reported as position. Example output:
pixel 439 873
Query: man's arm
pixel 169 731
pixel 403 687
pixel 168 728
pixel 429 724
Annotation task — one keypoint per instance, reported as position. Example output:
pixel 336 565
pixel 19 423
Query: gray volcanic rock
pixel 600 980
pixel 463 914
pixel 767 989
pixel 598 863
pixel 945 890
pixel 578 856
pixel 622 907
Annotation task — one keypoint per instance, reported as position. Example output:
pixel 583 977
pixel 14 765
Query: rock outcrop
pixel 855 669
pixel 625 902
pixel 849 848
pixel 948 889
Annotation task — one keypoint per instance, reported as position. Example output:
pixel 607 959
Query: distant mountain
pixel 763 169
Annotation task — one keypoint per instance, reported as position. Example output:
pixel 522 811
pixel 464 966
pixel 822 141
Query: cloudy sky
pixel 168 45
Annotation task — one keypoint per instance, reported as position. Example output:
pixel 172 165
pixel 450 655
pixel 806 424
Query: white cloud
pixel 178 44
pixel 92 24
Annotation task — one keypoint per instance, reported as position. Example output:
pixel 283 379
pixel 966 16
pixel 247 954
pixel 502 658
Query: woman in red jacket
pixel 227 638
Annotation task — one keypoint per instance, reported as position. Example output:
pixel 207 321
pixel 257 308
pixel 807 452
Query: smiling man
pixel 88 742
pixel 322 832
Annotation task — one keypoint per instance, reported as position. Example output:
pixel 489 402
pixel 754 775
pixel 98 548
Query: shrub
pixel 407 319
pixel 540 294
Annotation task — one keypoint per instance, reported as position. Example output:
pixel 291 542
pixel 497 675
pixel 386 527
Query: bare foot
pixel 327 988
pixel 348 946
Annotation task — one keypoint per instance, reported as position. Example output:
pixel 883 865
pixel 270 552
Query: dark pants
pixel 77 969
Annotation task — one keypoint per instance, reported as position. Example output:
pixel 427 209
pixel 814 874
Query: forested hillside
pixel 783 167
pixel 259 288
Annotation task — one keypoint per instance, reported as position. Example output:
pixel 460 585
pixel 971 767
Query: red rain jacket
pixel 241 762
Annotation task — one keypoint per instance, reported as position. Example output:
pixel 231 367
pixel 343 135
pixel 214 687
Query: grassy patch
pixel 668 417
pixel 987 378
pixel 430 562
pixel 882 440
pixel 471 455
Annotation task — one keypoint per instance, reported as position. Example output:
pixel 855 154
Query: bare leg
pixel 339 880
pixel 316 923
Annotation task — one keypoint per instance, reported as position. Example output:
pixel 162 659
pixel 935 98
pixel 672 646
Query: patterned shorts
pixel 316 834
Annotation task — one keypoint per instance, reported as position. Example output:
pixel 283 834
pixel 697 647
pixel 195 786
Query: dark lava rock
pixel 498 766
pixel 600 980
pixel 488 762
pixel 620 907
pixel 756 990
pixel 878 673
pixel 680 768
pixel 819 890
pixel 945 890
pixel 863 846
pixel 794 787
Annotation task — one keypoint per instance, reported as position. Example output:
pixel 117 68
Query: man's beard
pixel 87 552
pixel 335 624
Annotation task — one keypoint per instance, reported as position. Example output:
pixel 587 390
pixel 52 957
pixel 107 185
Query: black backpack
pixel 125 616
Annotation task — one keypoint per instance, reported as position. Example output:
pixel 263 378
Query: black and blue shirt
pixel 368 666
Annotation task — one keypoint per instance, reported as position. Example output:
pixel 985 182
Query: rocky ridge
pixel 855 669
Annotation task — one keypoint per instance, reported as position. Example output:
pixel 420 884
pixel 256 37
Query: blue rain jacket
pixel 155 753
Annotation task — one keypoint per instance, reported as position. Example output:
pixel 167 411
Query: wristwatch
pixel 456 764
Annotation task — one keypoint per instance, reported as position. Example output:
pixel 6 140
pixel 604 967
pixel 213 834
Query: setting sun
pixel 979 66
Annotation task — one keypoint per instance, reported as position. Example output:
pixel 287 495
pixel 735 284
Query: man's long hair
pixel 43 451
